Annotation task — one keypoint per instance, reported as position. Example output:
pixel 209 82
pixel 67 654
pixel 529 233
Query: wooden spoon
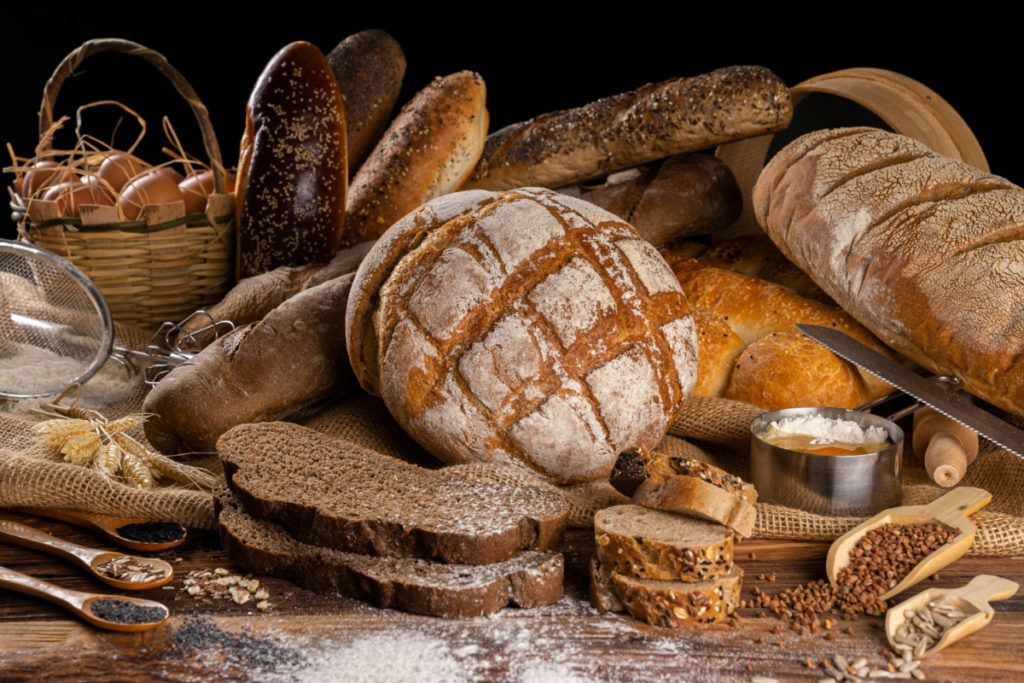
pixel 972 599
pixel 80 603
pixel 89 559
pixel 108 525
pixel 951 509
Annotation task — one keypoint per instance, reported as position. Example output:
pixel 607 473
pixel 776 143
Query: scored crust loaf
pixel 529 579
pixel 337 494
pixel 686 486
pixel 654 121
pixel 671 604
pixel 650 544
pixel 523 327
pixel 924 250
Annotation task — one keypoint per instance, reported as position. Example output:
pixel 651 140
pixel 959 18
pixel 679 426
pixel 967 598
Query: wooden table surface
pixel 324 637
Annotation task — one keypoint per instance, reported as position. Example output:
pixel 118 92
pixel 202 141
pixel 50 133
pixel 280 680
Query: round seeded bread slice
pixel 649 544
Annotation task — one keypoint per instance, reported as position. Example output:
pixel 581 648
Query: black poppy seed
pixel 200 633
pixel 126 612
pixel 152 532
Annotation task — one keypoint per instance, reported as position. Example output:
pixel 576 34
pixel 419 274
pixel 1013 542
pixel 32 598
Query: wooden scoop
pixel 78 602
pixel 951 509
pixel 971 600
pixel 108 526
pixel 945 446
pixel 89 559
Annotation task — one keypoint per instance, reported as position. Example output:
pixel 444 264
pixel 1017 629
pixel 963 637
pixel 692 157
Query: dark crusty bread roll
pixel 293 359
pixel 293 167
pixel 529 579
pixel 655 121
pixel 692 194
pixel 369 67
pixel 751 351
pixel 428 151
pixel 924 250
pixel 525 327
pixel 337 494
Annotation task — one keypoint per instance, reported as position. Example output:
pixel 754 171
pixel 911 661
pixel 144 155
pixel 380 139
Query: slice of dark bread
pixel 529 579
pixel 650 544
pixel 665 603
pixel 336 494
pixel 686 486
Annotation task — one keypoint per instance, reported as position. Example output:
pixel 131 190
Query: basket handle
pixel 91 47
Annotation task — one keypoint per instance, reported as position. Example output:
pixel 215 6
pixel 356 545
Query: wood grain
pixel 336 635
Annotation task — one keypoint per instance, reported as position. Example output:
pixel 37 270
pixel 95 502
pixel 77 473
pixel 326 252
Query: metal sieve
pixel 56 329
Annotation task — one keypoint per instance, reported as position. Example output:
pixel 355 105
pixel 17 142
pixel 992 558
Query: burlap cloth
pixel 711 430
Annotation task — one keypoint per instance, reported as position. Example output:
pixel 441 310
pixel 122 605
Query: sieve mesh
pixel 55 328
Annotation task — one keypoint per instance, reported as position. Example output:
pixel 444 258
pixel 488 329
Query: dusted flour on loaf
pixel 525 327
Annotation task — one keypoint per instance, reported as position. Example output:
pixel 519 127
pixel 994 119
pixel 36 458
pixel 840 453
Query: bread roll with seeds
pixel 524 327
pixel 428 151
pixel 618 132
pixel 293 166
pixel 922 249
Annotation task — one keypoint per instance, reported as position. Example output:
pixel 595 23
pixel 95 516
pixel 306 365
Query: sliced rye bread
pixel 336 494
pixel 650 544
pixel 671 604
pixel 686 486
pixel 529 579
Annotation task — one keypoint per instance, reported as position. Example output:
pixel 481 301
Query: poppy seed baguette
pixel 336 494
pixel 528 579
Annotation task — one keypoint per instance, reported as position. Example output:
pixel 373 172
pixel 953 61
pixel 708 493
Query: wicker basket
pixel 157 269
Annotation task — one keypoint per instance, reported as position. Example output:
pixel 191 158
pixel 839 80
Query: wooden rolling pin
pixel 945 446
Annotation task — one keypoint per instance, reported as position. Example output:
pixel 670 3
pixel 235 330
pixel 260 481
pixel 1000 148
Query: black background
pixel 533 58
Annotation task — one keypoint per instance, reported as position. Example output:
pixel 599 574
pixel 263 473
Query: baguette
pixel 924 250
pixel 369 67
pixel 293 359
pixel 618 132
pixel 428 151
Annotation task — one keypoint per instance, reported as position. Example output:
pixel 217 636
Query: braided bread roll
pixel 524 327
pixel 924 250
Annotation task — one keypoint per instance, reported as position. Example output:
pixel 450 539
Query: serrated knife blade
pixel 949 403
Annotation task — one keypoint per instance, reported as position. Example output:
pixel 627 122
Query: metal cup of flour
pixel 833 485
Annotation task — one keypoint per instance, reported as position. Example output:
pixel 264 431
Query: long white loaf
pixel 926 251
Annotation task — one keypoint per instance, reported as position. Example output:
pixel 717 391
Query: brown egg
pixel 157 187
pixel 118 168
pixel 72 194
pixel 197 186
pixel 48 173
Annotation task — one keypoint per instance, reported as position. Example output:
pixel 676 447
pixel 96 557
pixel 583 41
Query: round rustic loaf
pixel 525 327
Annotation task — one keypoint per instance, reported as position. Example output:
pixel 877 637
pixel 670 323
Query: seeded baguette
pixel 686 486
pixel 618 132
pixel 528 579
pixel 336 494
pixel 650 544
pixel 671 604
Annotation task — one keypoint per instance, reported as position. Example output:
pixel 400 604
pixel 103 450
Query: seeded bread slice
pixel 686 486
pixel 651 544
pixel 335 494
pixel 529 579
pixel 668 603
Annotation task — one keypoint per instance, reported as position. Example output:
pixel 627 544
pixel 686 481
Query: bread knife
pixel 950 403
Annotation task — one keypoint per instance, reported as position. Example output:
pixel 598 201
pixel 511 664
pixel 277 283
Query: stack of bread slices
pixel 667 558
pixel 335 517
